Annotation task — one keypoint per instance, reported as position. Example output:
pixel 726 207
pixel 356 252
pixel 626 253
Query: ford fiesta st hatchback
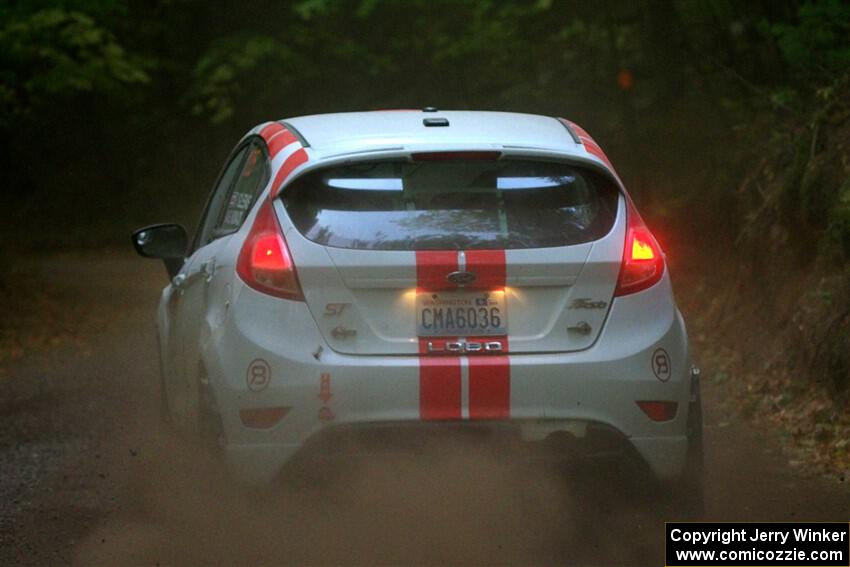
pixel 418 271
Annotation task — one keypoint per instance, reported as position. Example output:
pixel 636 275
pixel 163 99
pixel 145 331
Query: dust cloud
pixel 456 502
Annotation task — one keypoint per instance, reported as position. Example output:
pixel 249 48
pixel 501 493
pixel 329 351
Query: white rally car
pixel 419 270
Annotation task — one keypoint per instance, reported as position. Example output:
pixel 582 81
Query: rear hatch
pixel 396 256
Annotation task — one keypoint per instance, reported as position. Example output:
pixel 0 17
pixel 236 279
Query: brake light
pixel 643 262
pixel 265 263
pixel 443 156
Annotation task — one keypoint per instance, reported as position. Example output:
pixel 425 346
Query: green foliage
pixel 818 43
pixel 307 9
pixel 53 53
pixel 799 192
pixel 839 221
pixel 221 74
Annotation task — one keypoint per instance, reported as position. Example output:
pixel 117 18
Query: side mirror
pixel 167 242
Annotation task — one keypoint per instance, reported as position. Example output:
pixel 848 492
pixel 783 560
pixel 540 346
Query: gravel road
pixel 87 476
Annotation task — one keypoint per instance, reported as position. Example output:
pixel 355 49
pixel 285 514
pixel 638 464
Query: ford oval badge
pixel 462 278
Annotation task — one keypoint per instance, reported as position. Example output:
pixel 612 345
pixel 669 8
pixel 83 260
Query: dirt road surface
pixel 88 477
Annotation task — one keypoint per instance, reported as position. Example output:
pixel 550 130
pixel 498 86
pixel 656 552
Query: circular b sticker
pixel 661 364
pixel 259 375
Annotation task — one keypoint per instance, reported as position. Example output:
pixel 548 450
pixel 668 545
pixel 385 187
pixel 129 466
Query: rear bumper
pixel 326 392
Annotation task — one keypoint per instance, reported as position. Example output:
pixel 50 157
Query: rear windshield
pixel 452 204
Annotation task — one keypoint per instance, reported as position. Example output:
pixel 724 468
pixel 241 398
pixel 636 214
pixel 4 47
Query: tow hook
pixel 341 332
pixel 582 328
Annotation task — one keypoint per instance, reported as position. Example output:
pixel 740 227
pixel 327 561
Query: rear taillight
pixel 643 262
pixel 265 263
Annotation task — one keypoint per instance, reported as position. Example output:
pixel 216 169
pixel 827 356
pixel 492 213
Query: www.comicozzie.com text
pixel 743 534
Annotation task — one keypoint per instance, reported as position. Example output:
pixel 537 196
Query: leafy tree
pixel 56 52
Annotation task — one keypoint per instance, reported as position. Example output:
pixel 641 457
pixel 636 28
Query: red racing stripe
pixel 280 141
pixel 291 163
pixel 432 267
pixel 590 144
pixel 277 137
pixel 489 266
pixel 490 384
pixel 579 130
pixel 439 384
pixel 594 149
pixel 489 375
pixel 439 375
pixel 270 130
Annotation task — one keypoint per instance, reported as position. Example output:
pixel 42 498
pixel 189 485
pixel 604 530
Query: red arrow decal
pixel 325 390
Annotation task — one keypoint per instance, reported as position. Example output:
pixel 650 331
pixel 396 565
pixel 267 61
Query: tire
pixel 164 414
pixel 688 492
pixel 203 428
pixel 210 428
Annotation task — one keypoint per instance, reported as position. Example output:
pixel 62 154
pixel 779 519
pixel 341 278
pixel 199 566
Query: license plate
pixel 461 313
